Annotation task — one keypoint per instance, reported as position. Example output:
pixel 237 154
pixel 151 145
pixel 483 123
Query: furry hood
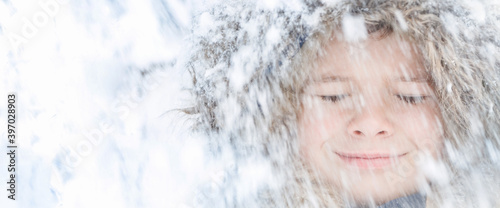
pixel 243 61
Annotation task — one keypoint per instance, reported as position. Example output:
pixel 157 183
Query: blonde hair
pixel 463 75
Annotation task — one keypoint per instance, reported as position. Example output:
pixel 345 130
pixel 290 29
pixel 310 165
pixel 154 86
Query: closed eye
pixel 411 99
pixel 333 98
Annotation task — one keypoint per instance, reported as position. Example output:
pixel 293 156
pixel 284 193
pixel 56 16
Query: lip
pixel 369 160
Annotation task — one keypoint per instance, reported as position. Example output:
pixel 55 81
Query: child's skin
pixel 368 111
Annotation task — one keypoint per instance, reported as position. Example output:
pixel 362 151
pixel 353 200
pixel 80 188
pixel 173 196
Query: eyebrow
pixel 333 78
pixel 413 79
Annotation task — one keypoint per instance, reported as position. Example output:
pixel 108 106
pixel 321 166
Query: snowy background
pixel 96 82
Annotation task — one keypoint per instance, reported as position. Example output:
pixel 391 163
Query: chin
pixel 377 195
pixel 376 187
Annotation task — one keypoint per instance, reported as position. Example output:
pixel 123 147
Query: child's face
pixel 369 117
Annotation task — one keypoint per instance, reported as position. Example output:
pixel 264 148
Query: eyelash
pixel 405 98
pixel 412 99
pixel 333 98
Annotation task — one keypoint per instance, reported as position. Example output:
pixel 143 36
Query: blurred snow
pixel 354 28
pixel 98 85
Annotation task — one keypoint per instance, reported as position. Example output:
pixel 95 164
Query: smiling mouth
pixel 369 161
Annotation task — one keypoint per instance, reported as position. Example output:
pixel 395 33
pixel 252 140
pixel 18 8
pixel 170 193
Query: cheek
pixel 315 127
pixel 423 127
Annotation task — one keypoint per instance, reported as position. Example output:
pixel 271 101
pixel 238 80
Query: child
pixel 361 103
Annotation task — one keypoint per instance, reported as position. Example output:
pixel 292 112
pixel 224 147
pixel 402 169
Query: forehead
pixel 388 58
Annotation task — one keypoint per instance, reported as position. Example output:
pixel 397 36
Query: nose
pixel 370 122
